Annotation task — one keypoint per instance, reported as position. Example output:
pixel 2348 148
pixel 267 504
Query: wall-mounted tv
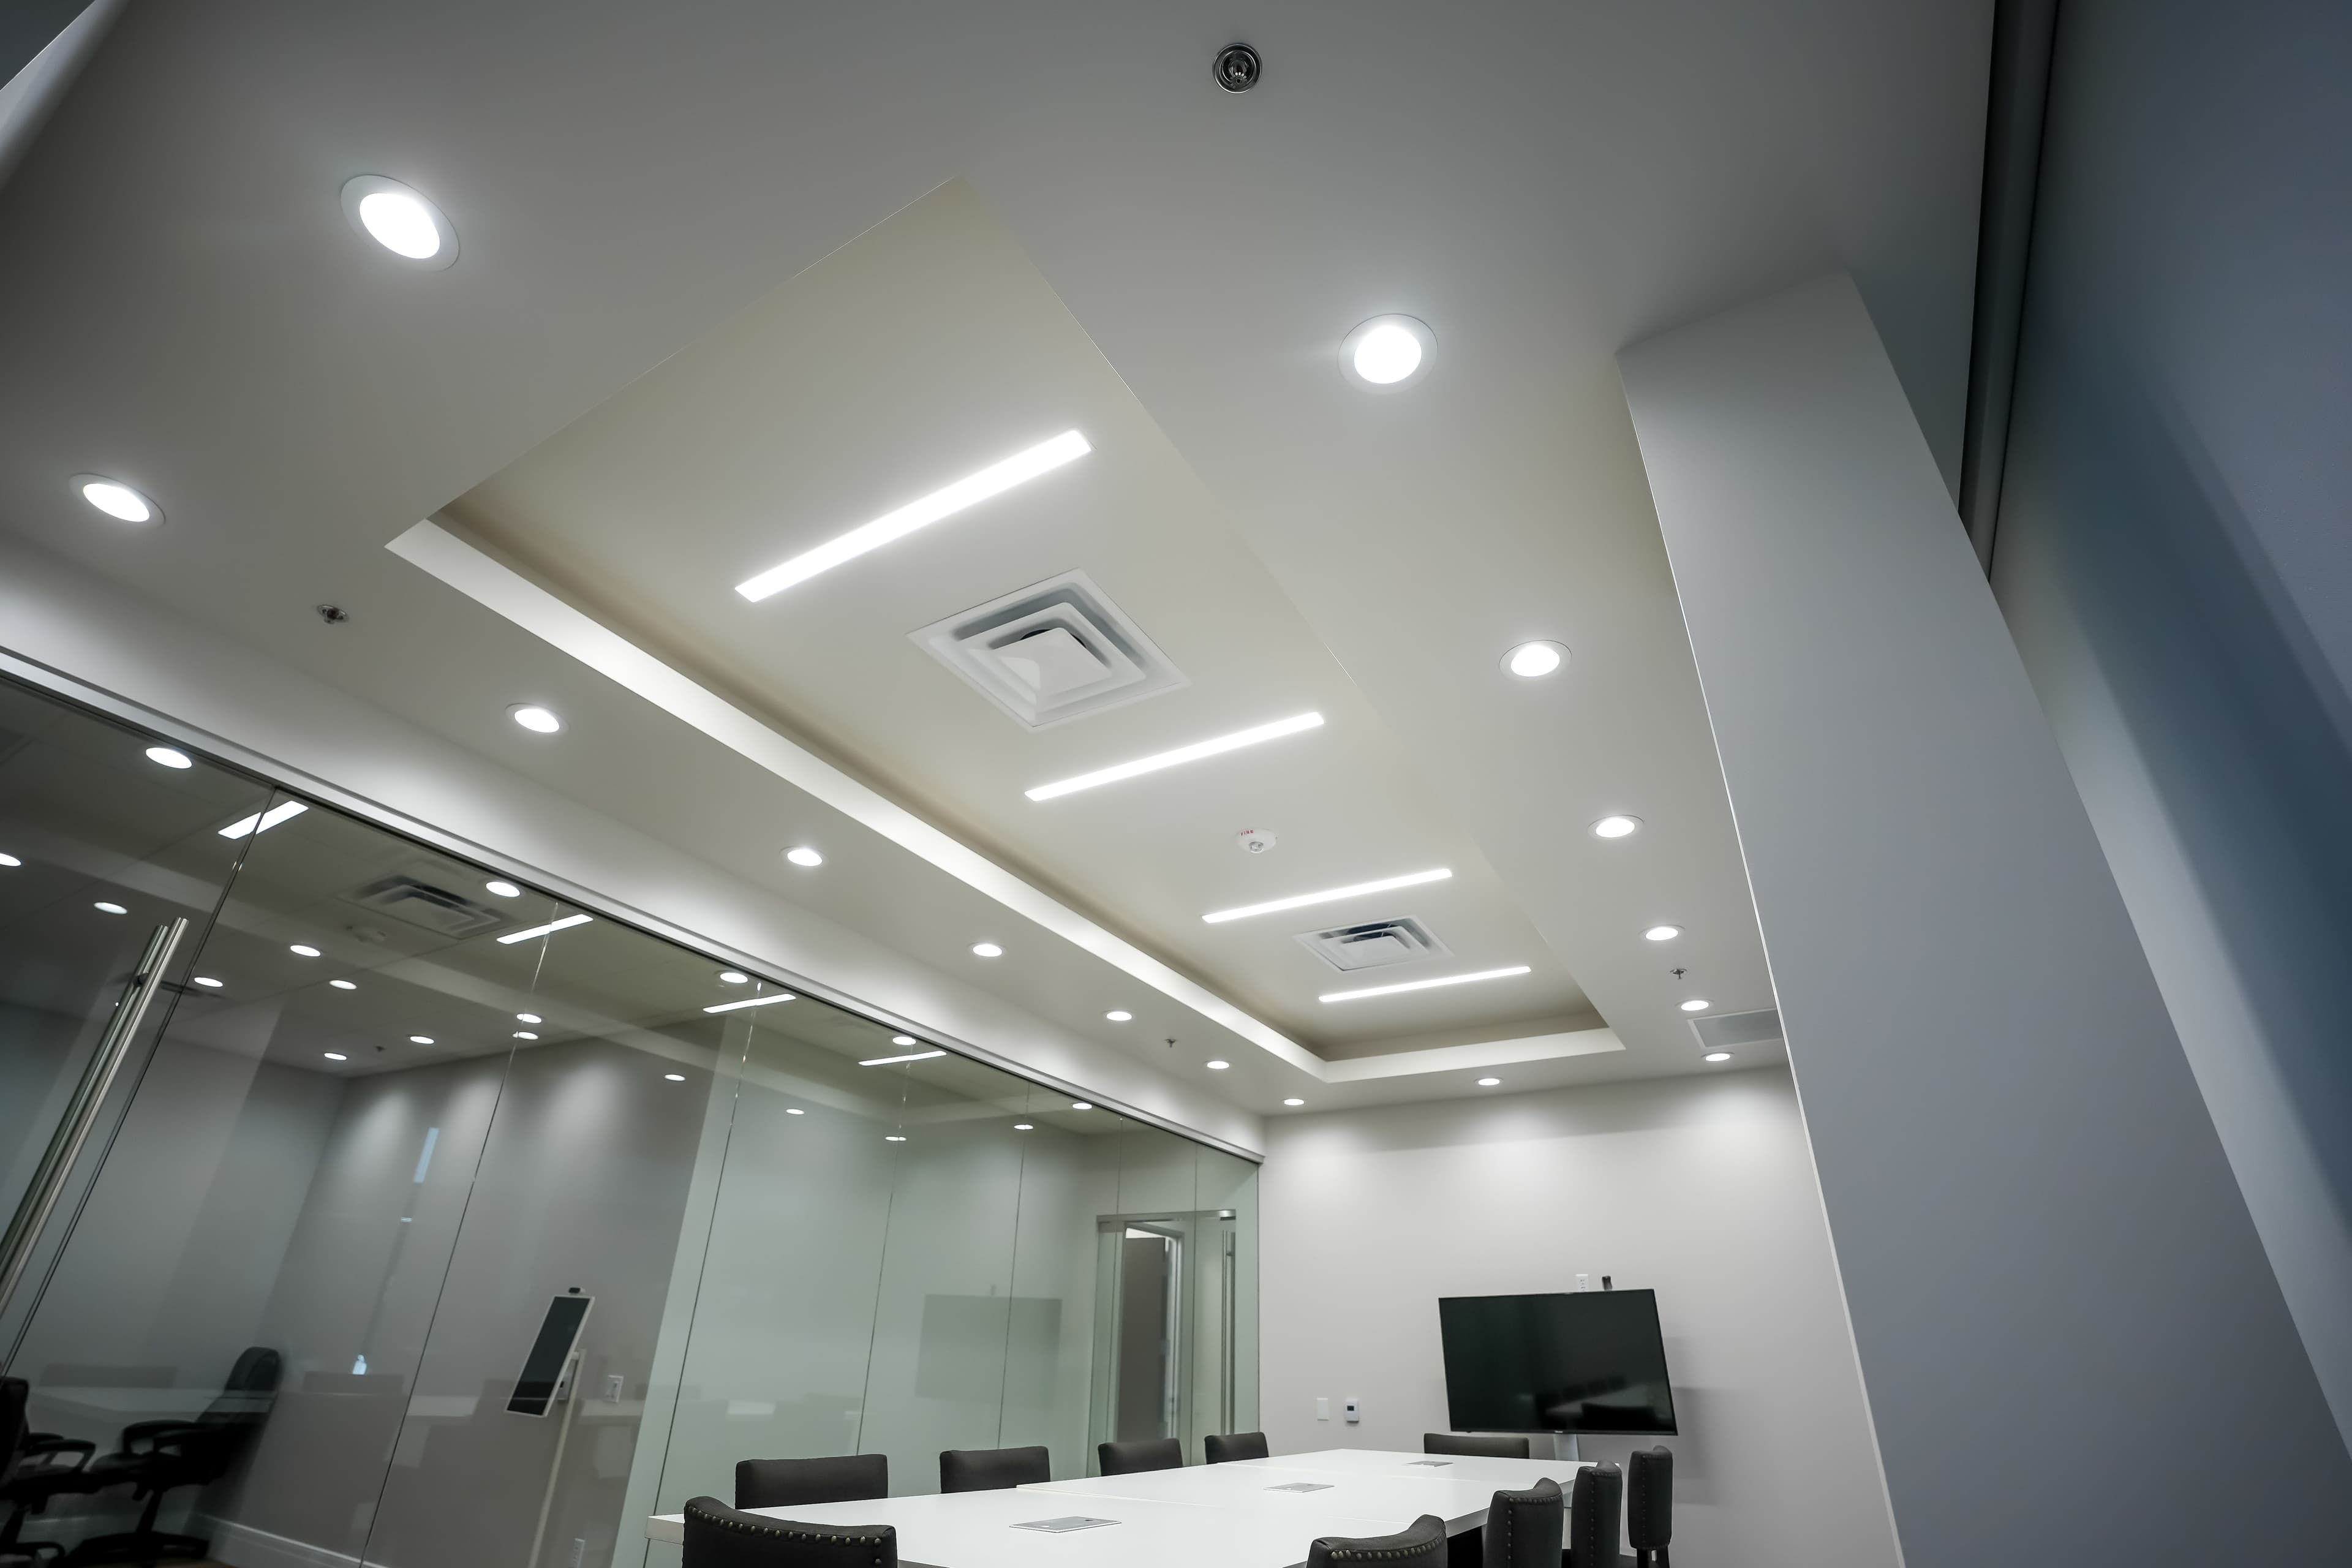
pixel 1589 1361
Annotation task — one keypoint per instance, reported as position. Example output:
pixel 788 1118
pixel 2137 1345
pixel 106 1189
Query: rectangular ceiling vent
pixel 1728 1029
pixel 1055 651
pixel 420 903
pixel 1373 946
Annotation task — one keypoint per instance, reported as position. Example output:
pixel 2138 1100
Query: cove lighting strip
pixel 566 923
pixel 749 1002
pixel 1181 755
pixel 910 1056
pixel 1329 895
pixel 992 480
pixel 1423 984
pixel 263 821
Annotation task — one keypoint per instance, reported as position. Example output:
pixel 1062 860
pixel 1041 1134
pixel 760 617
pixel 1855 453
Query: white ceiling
pixel 187 309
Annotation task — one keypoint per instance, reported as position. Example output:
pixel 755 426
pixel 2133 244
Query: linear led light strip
pixel 749 1002
pixel 992 480
pixel 1329 895
pixel 566 923
pixel 263 821
pixel 910 1056
pixel 1181 754
pixel 1422 984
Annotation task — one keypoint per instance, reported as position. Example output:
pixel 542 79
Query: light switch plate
pixel 1322 1410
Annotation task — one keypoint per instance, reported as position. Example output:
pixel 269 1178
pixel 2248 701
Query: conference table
pixel 1252 1513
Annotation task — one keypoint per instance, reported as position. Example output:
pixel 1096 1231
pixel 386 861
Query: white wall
pixel 1701 1189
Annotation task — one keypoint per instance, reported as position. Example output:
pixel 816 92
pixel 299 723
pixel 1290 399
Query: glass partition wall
pixel 384 1127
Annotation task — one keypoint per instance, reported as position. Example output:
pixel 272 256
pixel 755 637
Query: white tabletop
pixel 1494 1475
pixel 975 1529
pixel 1395 1501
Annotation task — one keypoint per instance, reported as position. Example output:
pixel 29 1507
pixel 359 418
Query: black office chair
pixel 1142 1454
pixel 1593 1502
pixel 160 1456
pixel 31 1472
pixel 992 1469
pixel 790 1483
pixel 1232 1446
pixel 1474 1445
pixel 1650 1506
pixel 1523 1530
pixel 1421 1544
pixel 717 1536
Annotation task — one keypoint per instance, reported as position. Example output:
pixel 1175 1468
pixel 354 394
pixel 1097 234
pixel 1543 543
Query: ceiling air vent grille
pixel 1726 1030
pixel 1055 651
pixel 420 903
pixel 1373 946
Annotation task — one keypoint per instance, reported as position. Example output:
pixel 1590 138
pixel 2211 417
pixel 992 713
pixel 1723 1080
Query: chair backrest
pixel 1598 1491
pixel 248 1393
pixel 1142 1454
pixel 790 1483
pixel 1650 1499
pixel 14 1428
pixel 1220 1450
pixel 992 1469
pixel 717 1536
pixel 1421 1544
pixel 1523 1530
pixel 1479 1444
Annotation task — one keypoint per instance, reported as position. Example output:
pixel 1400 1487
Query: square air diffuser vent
pixel 1726 1030
pixel 1056 650
pixel 1373 946
pixel 422 903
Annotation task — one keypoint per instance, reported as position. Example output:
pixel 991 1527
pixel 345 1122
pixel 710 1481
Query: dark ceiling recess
pixel 2022 33
pixel 1238 67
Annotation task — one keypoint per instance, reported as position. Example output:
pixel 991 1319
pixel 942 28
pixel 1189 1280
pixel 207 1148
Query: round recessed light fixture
pixel 986 950
pixel 334 1055
pixel 302 950
pixel 1024 1127
pixel 529 1018
pixel 1294 1101
pixel 1662 933
pixel 343 984
pixel 902 1040
pixel 401 221
pixel 1388 353
pixel 1119 1015
pixel 501 887
pixel 420 1039
pixel 1616 827
pixel 1081 1105
pixel 802 854
pixel 1216 1066
pixel 795 1110
pixel 208 982
pixel 169 757
pixel 673 1077
pixel 894 1137
pixel 733 977
pixel 1534 660
pixel 524 1034
pixel 1490 1083
pixel 1696 1004
pixel 109 907
pixel 537 720
pixel 117 499
pixel 7 859
pixel 1716 1056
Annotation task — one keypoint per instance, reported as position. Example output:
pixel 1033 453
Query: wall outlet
pixel 1584 1281
pixel 613 1388
pixel 1354 1409
pixel 1322 1410
pixel 579 1551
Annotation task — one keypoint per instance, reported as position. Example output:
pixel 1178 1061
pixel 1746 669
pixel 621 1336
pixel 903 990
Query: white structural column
pixel 2074 1347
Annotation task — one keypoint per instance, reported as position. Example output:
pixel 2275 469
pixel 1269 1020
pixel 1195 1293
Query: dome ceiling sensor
pixel 1238 67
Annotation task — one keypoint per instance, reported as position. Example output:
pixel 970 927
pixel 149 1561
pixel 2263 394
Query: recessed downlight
pixel 343 984
pixel 1662 933
pixel 420 1039
pixel 1119 1015
pixel 1534 660
pixel 1616 827
pixel 894 1137
pixel 109 907
pixel 529 1018
pixel 1216 1066
pixel 802 854
pixel 1328 895
pixel 1696 1004
pixel 1081 1105
pixel 524 1034
pixel 539 721
pixel 499 887
pixel 302 950
pixel 1490 1083
pixel 334 1055
pixel 1388 353
pixel 1294 1101
pixel 673 1077
pixel 992 480
pixel 1716 1056
pixel 170 757
pixel 1024 1127
pixel 208 982
pixel 1215 746
pixel 795 1110
pixel 733 977
pixel 1424 984
pixel 902 1040
pixel 117 499
pixel 402 221
pixel 6 859
pixel 986 950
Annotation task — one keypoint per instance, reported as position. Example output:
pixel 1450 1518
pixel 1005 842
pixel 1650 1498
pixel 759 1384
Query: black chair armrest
pixel 157 1434
pixel 42 1443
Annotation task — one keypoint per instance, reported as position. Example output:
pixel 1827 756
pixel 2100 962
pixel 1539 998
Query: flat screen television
pixel 1590 1361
